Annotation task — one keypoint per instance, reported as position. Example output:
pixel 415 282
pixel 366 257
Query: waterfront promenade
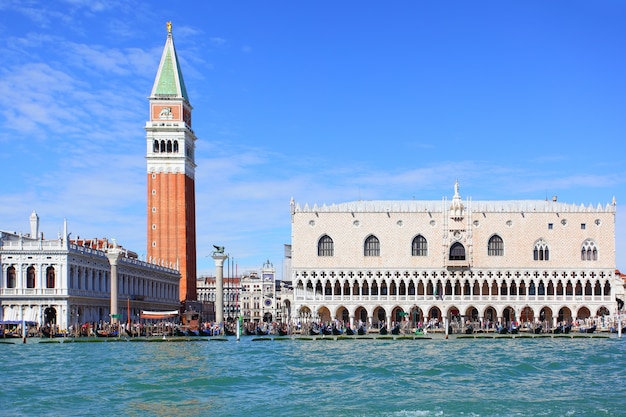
pixel 372 336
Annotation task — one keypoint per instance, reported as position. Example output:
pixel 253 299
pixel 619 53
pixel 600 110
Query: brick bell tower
pixel 171 172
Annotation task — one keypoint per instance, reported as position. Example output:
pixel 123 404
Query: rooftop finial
pixel 169 26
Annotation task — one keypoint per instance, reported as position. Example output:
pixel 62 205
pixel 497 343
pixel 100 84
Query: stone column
pixel 40 283
pixel 219 258
pixel 114 254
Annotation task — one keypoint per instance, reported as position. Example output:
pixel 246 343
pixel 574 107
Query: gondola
pixel 313 332
pixel 469 329
pixel 562 329
pixel 514 330
pixel 260 332
pixel 396 329
pixel 361 331
pixel 229 332
pixel 349 331
pixel 10 335
pixel 383 330
pixel 503 330
pixel 45 333
pixel 336 331
pixel 130 333
pixel 327 331
pixel 103 333
pixel 590 329
pixel 538 329
pixel 283 332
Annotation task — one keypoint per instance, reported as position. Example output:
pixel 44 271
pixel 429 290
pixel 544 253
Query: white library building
pixel 66 282
pixel 486 262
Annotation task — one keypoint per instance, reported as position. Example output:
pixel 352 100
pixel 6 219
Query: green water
pixel 456 377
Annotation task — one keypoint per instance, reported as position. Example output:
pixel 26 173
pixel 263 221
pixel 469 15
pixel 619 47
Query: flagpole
pixel 237 289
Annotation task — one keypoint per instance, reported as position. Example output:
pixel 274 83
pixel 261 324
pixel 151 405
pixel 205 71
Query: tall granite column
pixel 219 258
pixel 114 254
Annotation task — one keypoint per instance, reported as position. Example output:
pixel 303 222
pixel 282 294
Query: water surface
pixel 455 377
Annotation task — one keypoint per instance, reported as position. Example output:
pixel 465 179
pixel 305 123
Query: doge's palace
pixel 384 262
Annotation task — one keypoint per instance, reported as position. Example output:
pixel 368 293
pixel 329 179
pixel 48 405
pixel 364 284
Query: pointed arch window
pixel 419 247
pixel 541 252
pixel 169 146
pixel 589 251
pixel 175 146
pixel 155 146
pixel 162 146
pixel 325 246
pixel 457 252
pixel 495 247
pixel 372 246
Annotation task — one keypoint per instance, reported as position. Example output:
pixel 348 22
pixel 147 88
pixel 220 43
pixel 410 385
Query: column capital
pixel 219 258
pixel 113 254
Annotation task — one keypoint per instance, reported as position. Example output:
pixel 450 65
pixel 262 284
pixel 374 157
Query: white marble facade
pixel 487 261
pixel 69 282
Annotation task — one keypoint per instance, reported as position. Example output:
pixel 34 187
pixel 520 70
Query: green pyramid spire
pixel 169 81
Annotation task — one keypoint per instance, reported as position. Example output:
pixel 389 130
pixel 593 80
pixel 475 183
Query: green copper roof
pixel 169 79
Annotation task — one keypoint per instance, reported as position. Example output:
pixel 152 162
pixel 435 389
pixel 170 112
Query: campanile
pixel 171 172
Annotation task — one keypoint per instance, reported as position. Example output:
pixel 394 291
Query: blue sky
pixel 325 102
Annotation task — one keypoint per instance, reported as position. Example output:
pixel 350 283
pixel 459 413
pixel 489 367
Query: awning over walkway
pixel 158 314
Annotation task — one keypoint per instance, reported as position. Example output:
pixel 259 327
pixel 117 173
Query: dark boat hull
pixel 101 333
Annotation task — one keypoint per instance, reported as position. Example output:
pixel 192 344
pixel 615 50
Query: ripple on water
pixel 509 377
